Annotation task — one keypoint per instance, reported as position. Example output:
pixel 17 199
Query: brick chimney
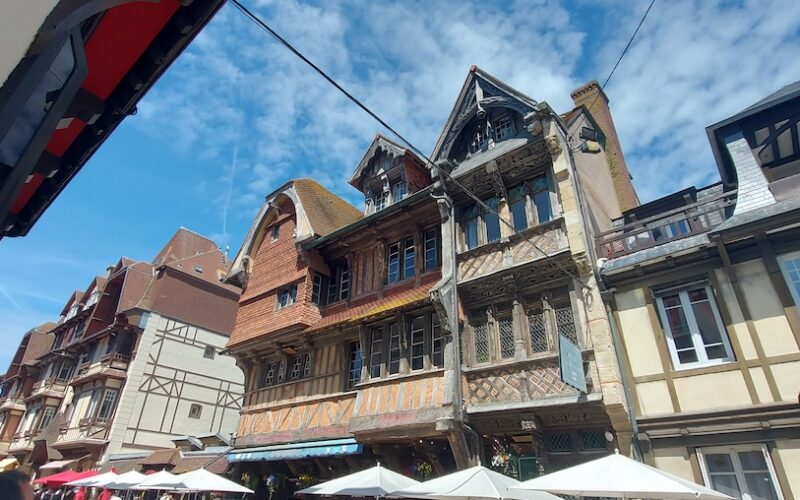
pixel 595 100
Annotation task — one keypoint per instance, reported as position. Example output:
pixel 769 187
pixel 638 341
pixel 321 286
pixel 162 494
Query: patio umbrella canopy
pixel 619 476
pixel 373 482
pixel 124 481
pixel 474 483
pixel 153 480
pixel 94 480
pixel 57 480
pixel 200 480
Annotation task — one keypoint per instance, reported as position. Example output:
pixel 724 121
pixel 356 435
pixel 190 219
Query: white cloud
pixel 692 64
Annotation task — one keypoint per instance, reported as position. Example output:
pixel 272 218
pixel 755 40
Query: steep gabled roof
pixel 319 212
pixel 325 211
pixel 380 143
pixel 183 244
pixel 484 89
pixel 76 297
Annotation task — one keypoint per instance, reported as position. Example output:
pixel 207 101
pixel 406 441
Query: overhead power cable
pixel 624 51
pixel 264 26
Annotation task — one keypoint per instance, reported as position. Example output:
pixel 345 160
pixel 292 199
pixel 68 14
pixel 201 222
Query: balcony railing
pixel 690 220
pixel 113 361
pixel 88 428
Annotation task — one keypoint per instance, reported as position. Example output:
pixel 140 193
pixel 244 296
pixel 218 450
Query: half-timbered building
pixel 705 289
pixel 135 360
pixel 424 331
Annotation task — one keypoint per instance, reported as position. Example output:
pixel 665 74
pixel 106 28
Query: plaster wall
pixel 675 461
pixel 712 391
pixel 637 332
pixel 788 451
pixel 169 374
pixel 769 317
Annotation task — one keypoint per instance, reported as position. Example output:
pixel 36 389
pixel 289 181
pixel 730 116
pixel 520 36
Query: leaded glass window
pixel 506 330
pixel 537 330
pixel 565 320
pixel 481 340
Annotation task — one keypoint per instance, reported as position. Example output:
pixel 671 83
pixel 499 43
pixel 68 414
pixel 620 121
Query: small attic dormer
pixel 387 174
pixel 487 114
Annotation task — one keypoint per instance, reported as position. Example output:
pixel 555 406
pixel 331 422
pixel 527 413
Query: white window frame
pixel 733 451
pixel 782 261
pixel 696 337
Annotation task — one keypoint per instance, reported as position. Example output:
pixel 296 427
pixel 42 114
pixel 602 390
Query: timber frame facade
pixel 704 285
pixel 424 331
pixel 145 335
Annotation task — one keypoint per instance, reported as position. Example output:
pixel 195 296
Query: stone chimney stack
pixel 596 101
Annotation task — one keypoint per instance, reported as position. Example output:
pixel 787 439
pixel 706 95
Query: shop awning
pixel 295 451
pixel 58 464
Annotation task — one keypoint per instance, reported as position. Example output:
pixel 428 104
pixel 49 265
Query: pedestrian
pixel 15 485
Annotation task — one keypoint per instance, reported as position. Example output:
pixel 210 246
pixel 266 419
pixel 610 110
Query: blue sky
pixel 237 115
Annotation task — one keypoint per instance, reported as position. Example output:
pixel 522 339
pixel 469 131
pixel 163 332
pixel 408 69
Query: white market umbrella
pixel 373 482
pixel 619 476
pixel 474 483
pixel 124 481
pixel 94 480
pixel 203 480
pixel 153 481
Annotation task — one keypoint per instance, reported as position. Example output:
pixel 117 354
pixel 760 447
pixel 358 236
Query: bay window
pixel 546 316
pixel 693 328
pixel 529 204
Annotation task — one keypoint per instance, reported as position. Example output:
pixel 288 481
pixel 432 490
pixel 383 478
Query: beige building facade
pixel 704 285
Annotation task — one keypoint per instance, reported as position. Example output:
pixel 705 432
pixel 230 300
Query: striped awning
pixel 295 451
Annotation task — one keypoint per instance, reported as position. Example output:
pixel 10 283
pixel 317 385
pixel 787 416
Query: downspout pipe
pixel 607 296
pixel 612 321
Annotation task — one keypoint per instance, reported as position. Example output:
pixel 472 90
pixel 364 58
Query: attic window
pixel 276 231
pixel 503 128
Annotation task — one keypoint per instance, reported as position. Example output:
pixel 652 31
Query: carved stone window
pixel 506 330
pixel 537 331
pixel 565 320
pixel 481 338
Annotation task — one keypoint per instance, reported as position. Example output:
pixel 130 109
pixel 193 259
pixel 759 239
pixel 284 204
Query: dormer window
pixel 480 137
pixel 72 312
pixel 399 190
pixel 503 128
pixel 381 200
pixel 93 298
pixel 487 132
